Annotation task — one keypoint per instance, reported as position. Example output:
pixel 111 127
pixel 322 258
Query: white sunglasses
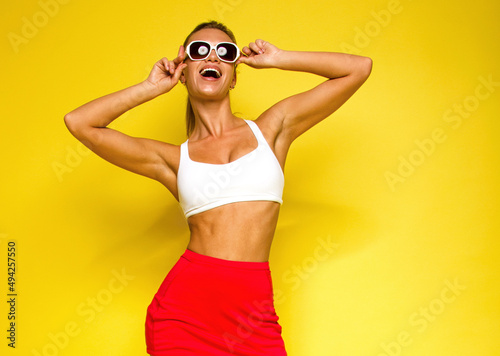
pixel 200 50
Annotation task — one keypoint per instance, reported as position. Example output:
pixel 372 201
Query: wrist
pixel 282 59
pixel 149 90
pixel 138 94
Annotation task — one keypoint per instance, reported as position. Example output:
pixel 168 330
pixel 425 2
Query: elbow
pixel 366 66
pixel 362 69
pixel 71 123
pixel 80 129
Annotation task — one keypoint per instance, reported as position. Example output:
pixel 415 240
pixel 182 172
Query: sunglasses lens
pixel 227 51
pixel 221 51
pixel 198 50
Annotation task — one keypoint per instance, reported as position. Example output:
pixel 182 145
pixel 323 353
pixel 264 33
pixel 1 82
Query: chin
pixel 212 92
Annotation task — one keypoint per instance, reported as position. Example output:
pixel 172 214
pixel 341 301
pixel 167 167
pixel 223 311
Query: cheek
pixel 190 71
pixel 189 75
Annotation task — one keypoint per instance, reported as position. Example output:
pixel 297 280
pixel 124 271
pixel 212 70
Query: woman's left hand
pixel 260 54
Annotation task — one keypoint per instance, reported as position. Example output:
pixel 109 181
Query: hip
pixel 226 305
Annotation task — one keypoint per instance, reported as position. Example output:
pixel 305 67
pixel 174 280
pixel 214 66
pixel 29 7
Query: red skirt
pixel 212 306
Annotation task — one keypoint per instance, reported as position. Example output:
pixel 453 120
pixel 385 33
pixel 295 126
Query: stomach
pixel 241 231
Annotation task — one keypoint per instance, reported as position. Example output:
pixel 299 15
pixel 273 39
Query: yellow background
pixel 395 245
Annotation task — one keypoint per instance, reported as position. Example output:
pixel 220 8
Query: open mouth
pixel 210 73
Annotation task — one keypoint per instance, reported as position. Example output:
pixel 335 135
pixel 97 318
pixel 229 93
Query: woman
pixel 228 177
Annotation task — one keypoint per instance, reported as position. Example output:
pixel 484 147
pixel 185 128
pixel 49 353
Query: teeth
pixel 211 70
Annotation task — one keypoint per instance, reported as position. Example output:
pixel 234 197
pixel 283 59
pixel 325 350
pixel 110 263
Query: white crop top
pixel 255 176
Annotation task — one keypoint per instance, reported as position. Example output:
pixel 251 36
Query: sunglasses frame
pixel 238 53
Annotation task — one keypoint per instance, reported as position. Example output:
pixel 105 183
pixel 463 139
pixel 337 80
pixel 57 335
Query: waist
pixel 216 261
pixel 241 231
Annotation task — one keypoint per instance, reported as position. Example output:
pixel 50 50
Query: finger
pixel 163 64
pixel 159 64
pixel 172 67
pixel 242 59
pixel 263 45
pixel 178 72
pixel 169 67
pixel 255 48
pixel 246 60
pixel 183 53
pixel 260 43
pixel 247 51
pixel 175 67
pixel 180 56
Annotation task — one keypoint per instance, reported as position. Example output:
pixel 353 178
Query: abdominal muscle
pixel 241 231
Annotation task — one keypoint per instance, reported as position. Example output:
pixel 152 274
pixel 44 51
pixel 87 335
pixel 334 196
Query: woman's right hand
pixel 165 74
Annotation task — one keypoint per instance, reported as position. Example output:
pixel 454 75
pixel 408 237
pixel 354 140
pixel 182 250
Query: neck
pixel 212 118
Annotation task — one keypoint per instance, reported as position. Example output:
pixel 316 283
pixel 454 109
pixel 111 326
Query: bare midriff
pixel 241 231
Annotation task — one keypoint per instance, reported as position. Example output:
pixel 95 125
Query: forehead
pixel 211 35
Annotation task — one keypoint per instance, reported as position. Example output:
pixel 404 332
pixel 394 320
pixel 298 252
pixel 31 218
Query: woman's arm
pixel 88 123
pixel 100 112
pixel 295 115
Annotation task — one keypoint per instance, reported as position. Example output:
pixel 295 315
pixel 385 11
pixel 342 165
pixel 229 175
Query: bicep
pixel 302 111
pixel 139 155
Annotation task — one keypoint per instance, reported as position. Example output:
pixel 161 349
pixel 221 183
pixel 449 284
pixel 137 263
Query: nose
pixel 213 56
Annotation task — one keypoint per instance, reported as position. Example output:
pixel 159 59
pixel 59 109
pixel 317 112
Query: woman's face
pixel 205 84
